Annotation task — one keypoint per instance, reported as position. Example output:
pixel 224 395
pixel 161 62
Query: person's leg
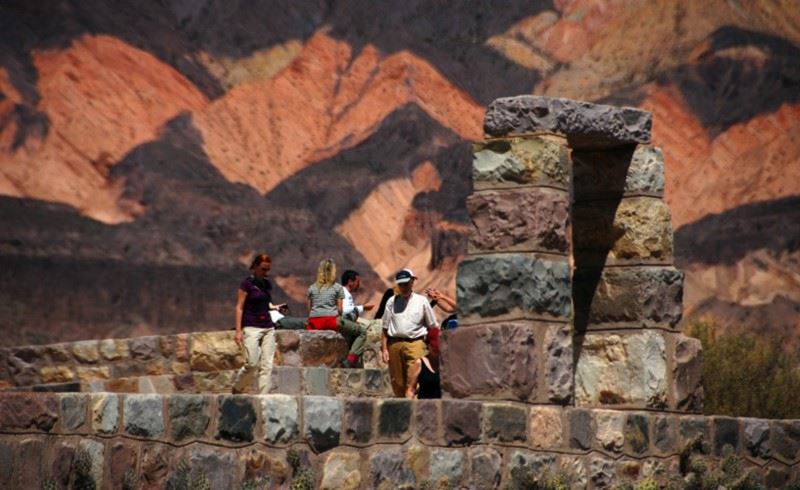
pixel 252 353
pixel 291 323
pixel 356 336
pixel 397 369
pixel 414 352
pixel 266 360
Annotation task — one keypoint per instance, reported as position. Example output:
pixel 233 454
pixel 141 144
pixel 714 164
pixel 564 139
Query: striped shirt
pixel 323 300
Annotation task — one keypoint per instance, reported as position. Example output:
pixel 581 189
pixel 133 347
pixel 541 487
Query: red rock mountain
pixel 146 151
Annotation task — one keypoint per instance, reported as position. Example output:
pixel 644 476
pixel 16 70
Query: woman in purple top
pixel 254 328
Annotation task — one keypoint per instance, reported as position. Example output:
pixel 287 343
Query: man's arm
pixel 387 316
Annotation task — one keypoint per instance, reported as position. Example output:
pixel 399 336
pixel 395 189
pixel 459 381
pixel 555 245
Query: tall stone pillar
pixel 531 323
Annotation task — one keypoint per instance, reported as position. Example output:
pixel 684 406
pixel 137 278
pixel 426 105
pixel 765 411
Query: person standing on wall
pixel 255 331
pixel 406 321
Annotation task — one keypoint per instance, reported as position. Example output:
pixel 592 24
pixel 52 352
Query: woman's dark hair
pixel 259 259
pixel 382 306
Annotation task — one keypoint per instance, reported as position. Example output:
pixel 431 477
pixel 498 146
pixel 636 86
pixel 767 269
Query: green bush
pixel 747 376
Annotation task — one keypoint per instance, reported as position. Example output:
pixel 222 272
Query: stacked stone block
pixel 513 287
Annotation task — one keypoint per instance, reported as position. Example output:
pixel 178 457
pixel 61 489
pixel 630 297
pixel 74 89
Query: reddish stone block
pixel 461 421
pixel 21 411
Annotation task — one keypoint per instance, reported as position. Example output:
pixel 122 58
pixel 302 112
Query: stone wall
pixel 363 442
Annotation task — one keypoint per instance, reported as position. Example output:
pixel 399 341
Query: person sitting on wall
pixel 354 332
pixel 406 321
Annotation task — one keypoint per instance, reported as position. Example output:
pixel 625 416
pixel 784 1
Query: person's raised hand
pixel 368 307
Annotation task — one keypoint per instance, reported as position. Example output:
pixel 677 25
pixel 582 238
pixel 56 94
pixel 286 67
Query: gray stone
pixel 358 415
pixel 687 374
pixel 512 286
pixel 144 348
pixel 620 172
pixel 519 220
pixel 574 467
pixel 586 125
pixel 505 422
pixel 491 361
pixel 105 413
pixel 341 471
pixel 580 429
pixel 281 418
pixel 22 373
pixel 394 418
pixel 73 410
pixel 428 421
pixel 524 466
pixel 601 471
pixel 237 418
pixel 7 469
pixel 637 434
pixel 59 352
pixel 317 381
pixel 693 428
pixel 447 465
pixel 510 162
pixel 485 463
pixel 389 466
pixel 96 452
pixel 144 415
pixel 286 380
pixel 558 363
pixel 322 420
pixel 189 416
pixel 785 437
pixel 610 430
pixel 665 434
pixel 616 369
pixel 756 437
pixel 726 433
pixel 373 380
pixel 461 421
pixel 215 464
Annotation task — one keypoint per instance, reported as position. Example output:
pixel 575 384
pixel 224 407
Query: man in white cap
pixel 406 321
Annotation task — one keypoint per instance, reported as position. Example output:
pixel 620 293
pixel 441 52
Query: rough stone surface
pixel 629 370
pixel 665 434
pixel 580 429
pixel 534 160
pixel 485 463
pixel 320 348
pixel 73 411
pixel 155 460
pixel 96 452
pixel 601 471
pixel 21 411
pixel 627 297
pixel 56 352
pixel 687 374
pixel 188 415
pixel 519 220
pixel 215 351
pixel 144 415
pixel 215 464
pixel 63 457
pixel 121 460
pixel 633 230
pixel 280 415
pixel 726 433
pixel 388 466
pixel 522 465
pixel 756 437
pixel 341 471
pixel 317 381
pixel 112 349
pixel 394 418
pixel 144 348
pixel 586 125
pixel 785 437
pixel 505 422
pixel 491 361
pixel 614 173
pixel 358 415
pixel 87 374
pixel 512 286
pixel 86 351
pixel 22 371
pixel 637 434
pixel 237 417
pixel 461 421
pixel 287 380
pixel 105 413
pixel 693 427
pixel 322 422
pixel 428 421
pixel 610 430
pixel 558 361
pixel 546 427
pixel 56 374
pixel 447 465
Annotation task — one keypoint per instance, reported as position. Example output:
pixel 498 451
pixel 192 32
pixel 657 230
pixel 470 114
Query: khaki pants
pixel 355 333
pixel 259 352
pixel 403 354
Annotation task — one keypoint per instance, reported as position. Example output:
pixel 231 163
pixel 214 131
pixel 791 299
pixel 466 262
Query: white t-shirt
pixel 348 305
pixel 408 319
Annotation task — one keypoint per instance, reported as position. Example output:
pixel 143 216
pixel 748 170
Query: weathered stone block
pixel 287 340
pixel 387 469
pixel 512 286
pixel 287 380
pixel 694 427
pixel 637 434
pixel 189 416
pixel 485 463
pixel 586 125
pixel 86 351
pixel 341 471
pixel 687 375
pixel 182 352
pixel 628 370
pixel 73 411
pixel 526 465
pixel 546 428
pixel 610 430
pixel 144 348
pixel 215 464
pixel 580 429
pixel 87 374
pixel 447 467
pixel 601 471
pixel 785 440
pixel 510 162
pixel 558 362
pixel 96 452
pixel 519 220
pixel 461 421
pixel 505 422
pixel 237 418
pixel 612 232
pixel 215 351
pixel 394 418
pixel 428 421
pixel 726 433
pixel 317 381
pixel 113 350
pixel 318 348
pixel 615 173
pixel 121 461
pixel 144 415
pixel 21 364
pixel 63 457
pixel 322 422
pixel 665 434
pixel 105 413
pixel 281 418
pixel 491 361
pixel 56 352
pixel 358 414
pixel 22 411
pixel 756 437
pixel 56 374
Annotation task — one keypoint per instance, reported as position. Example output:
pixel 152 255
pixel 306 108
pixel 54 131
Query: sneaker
pixel 347 364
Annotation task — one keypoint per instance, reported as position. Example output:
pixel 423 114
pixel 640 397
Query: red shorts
pixel 323 323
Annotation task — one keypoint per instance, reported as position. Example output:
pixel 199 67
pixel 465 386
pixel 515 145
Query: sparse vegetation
pixel 747 376
pixel 524 479
pixel 186 479
pixel 302 478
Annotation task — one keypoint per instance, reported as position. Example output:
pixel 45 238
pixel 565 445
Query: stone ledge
pixel 513 162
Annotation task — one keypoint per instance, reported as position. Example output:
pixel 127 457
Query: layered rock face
pixel 559 180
